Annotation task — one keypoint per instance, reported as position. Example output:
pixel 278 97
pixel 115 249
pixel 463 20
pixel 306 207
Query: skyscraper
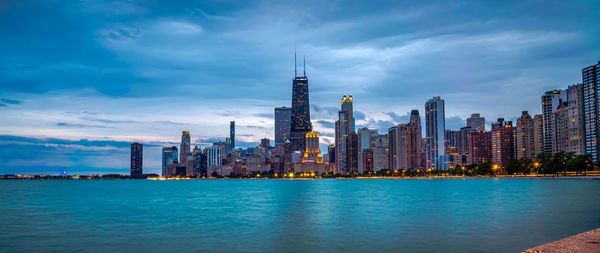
pixel 137 152
pixel 476 122
pixel 300 118
pixel 550 102
pixel 480 147
pixel 282 124
pixel 344 126
pixel 525 136
pixel 591 84
pixel 462 143
pixel 538 134
pixel 435 126
pixel 184 147
pixel 232 135
pixel 380 152
pixel 503 142
pixel 561 133
pixel 167 158
pixel 575 121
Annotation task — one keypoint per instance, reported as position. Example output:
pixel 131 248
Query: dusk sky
pixel 81 80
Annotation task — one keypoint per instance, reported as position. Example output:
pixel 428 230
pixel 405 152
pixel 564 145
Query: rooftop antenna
pixel 304 65
pixel 295 70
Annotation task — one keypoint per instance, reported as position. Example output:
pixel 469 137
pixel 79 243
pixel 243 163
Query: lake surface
pixel 383 215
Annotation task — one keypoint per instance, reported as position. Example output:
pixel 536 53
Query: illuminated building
pixel 282 124
pixel 367 161
pixel 364 144
pixel 352 152
pixel 405 145
pixel 300 117
pixel 435 126
pixel 575 120
pixel 450 141
pixel 215 155
pixel 480 147
pixel 476 122
pixel 380 149
pixel 137 152
pixel 344 126
pixel 591 85
pixel 503 142
pixel 525 136
pixel 169 156
pixel 232 135
pixel 550 102
pixel 538 134
pixel 200 163
pixel 312 154
pixel 462 143
pixel 184 147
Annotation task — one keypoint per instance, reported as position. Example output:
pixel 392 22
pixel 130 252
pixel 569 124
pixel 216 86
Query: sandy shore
pixel 584 242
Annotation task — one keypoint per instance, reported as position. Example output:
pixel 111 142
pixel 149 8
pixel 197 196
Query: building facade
pixel 503 143
pixel 591 83
pixel 137 157
pixel 480 147
pixel 525 136
pixel 476 122
pixel 300 123
pixel 344 126
pixel 282 124
pixel 550 102
pixel 435 127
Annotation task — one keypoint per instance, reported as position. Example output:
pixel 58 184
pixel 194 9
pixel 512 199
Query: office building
pixel 480 147
pixel 137 152
pixel 575 120
pixel 591 85
pixel 185 146
pixel 503 142
pixel 435 127
pixel 538 134
pixel 344 126
pixel 476 122
pixel 550 102
pixel 232 135
pixel 282 124
pixel 300 118
pixel 525 136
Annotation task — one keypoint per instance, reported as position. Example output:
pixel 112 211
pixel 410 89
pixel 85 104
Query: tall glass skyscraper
pixel 282 124
pixel 232 135
pixel 591 84
pixel 137 152
pixel 435 126
pixel 344 126
pixel 184 146
pixel 300 118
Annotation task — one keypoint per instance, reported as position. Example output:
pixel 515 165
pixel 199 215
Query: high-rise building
pixel 265 143
pixel 344 126
pixel 282 124
pixel 503 142
pixel 352 153
pixel 538 134
pixel 450 141
pixel 312 153
pixel 591 86
pixel 476 122
pixel 480 147
pixel 381 150
pixel 575 120
pixel 364 144
pixel 184 147
pixel 300 118
pixel 215 155
pixel 169 156
pixel 550 102
pixel 435 125
pixel 525 136
pixel 232 135
pixel 137 152
pixel 462 142
pixel 200 163
pixel 367 161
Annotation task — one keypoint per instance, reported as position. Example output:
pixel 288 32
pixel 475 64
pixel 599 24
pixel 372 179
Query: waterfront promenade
pixel 584 242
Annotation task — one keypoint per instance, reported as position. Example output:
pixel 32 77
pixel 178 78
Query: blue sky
pixel 81 80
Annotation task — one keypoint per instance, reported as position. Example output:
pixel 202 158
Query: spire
pixel 304 65
pixel 295 65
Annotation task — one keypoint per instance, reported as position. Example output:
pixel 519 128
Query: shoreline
pixel 123 177
pixel 585 242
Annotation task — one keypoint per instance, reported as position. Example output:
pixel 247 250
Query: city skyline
pixel 73 123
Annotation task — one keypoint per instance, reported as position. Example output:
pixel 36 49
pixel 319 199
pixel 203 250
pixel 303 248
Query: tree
pixel 580 163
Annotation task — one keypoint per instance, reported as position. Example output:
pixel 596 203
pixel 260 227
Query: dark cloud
pixel 455 123
pixel 359 115
pixel 399 119
pixel 11 101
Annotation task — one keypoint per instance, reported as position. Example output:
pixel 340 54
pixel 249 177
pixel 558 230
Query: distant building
pixel 503 142
pixel 167 158
pixel 215 155
pixel 538 134
pixel 184 147
pixel 344 126
pixel 367 161
pixel 450 141
pixel 435 125
pixel 200 163
pixel 364 144
pixel 480 147
pixel 381 150
pixel 476 122
pixel 265 143
pixel 404 146
pixel 282 124
pixel 525 136
pixel 232 135
pixel 312 153
pixel 137 152
pixel 550 102
pixel 300 118
pixel 462 143
pixel 352 152
pixel 591 89
pixel 575 120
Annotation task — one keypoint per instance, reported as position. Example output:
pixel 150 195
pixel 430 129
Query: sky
pixel 81 80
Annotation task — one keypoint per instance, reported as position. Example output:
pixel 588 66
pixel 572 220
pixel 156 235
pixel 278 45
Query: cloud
pixel 11 101
pixel 326 123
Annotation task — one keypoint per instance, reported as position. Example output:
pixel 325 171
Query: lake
pixel 327 215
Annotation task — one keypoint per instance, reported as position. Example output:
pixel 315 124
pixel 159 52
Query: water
pixel 458 215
